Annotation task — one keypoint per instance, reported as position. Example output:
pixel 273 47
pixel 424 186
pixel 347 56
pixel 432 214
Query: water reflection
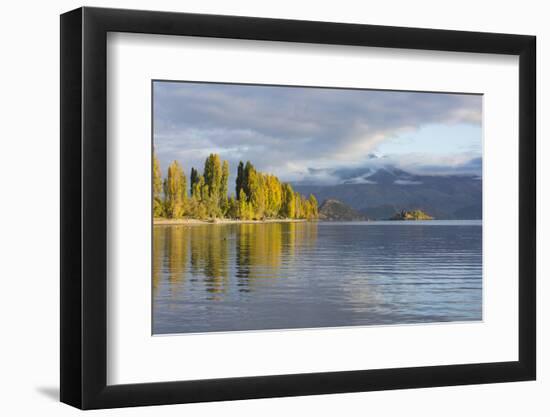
pixel 261 248
pixel 295 275
pixel 209 248
pixel 203 254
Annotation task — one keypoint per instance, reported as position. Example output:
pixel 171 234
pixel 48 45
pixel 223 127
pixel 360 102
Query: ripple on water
pixel 303 275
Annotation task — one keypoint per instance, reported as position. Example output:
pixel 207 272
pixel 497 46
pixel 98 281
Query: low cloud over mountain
pixel 391 190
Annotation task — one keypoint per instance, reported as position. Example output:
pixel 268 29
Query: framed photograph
pixel 257 208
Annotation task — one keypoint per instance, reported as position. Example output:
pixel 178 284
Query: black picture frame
pixel 84 207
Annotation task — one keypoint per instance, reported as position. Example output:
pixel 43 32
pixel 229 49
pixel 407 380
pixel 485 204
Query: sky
pixel 320 136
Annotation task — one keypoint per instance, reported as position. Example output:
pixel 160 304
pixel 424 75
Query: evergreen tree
pixel 193 179
pixel 240 180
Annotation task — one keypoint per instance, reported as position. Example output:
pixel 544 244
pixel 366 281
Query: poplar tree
pixel 158 209
pixel 213 174
pixel 255 185
pixel 306 208
pixel 314 213
pixel 298 209
pixel 223 201
pixel 175 191
pixel 273 195
pixel 288 206
pixel 232 208
pixel 197 187
pixel 258 195
pixel 247 172
pixel 244 207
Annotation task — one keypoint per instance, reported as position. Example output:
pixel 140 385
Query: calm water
pixel 301 275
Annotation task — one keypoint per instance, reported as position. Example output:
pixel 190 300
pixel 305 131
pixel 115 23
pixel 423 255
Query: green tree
pixel 298 206
pixel 194 178
pixel 213 174
pixel 240 180
pixel 232 208
pixel 314 213
pixel 273 196
pixel 224 188
pixel 197 187
pixel 256 187
pixel 259 195
pixel 214 183
pixel 158 207
pixel 247 172
pixel 288 205
pixel 244 211
pixel 198 203
pixel 307 209
pixel 175 191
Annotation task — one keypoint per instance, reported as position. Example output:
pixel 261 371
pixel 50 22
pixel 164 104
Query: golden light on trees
pixel 158 207
pixel 258 195
pixel 175 191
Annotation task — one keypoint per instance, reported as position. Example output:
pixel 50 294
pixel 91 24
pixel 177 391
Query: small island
pixel 258 197
pixel 411 215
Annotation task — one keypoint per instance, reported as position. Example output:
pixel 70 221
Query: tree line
pixel 257 195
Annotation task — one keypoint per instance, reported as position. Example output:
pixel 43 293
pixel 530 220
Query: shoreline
pixel 196 222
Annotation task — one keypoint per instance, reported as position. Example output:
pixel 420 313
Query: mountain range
pixel 379 194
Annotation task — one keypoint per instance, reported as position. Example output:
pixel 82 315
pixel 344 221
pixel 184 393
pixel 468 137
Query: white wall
pixel 29 237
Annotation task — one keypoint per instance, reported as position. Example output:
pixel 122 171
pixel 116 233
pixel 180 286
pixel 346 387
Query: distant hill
pixel 387 191
pixel 334 210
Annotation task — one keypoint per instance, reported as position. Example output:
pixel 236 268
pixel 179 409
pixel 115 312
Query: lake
pixel 229 277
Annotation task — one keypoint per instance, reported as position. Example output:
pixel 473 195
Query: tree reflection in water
pixel 229 257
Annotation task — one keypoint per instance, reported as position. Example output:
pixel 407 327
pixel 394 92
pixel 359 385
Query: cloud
pixel 455 164
pixel 407 182
pixel 406 167
pixel 358 180
pixel 297 133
